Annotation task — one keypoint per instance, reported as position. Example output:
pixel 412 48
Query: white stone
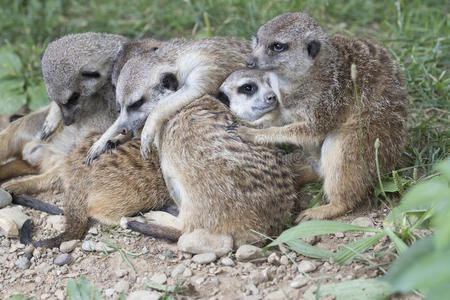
pixel 57 222
pixel 5 198
pixel 339 235
pixel 101 247
pixel 88 246
pixel 363 222
pixel 248 252
pixel 306 266
pixel 204 258
pixel 160 278
pixel 226 261
pixel 67 247
pixel 187 273
pixel 14 214
pixel 177 271
pixel 8 228
pixel 23 263
pixel 109 292
pixel 202 241
pixel 273 259
pixel 299 282
pixel 284 260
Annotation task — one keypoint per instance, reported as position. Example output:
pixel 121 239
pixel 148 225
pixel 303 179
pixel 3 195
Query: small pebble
pixel 68 246
pixel 177 271
pixel 93 230
pixel 5 198
pixel 109 292
pixel 306 266
pixel 169 254
pixel 273 259
pixel 248 252
pixel 284 260
pixel 160 278
pixel 88 246
pixel 143 295
pixel 63 259
pixel 299 282
pixel 187 273
pixel 363 222
pixel 204 258
pixel 339 235
pixel 122 286
pixel 226 261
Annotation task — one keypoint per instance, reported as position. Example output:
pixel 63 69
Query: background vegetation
pixel 416 32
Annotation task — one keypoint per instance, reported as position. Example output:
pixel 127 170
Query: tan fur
pixel 319 109
pixel 116 185
pixel 219 182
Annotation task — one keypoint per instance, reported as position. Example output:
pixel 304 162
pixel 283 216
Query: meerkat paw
pixel 163 219
pixel 52 122
pixel 95 151
pixel 148 137
pixel 251 135
pixel 323 212
pixel 14 187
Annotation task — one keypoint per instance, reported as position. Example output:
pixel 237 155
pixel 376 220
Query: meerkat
pixel 76 70
pixel 191 68
pixel 114 186
pixel 219 182
pixel 254 95
pixel 320 109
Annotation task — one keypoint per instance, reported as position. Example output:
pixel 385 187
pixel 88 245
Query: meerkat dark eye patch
pixel 222 97
pixel 313 48
pixel 248 89
pixel 72 101
pixel 278 47
pixel 169 81
pixel 136 105
pixel 90 74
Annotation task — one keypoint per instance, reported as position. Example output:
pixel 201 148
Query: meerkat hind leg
pixel 164 219
pixel 16 168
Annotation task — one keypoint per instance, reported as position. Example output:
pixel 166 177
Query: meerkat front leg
pixel 164 110
pixel 296 134
pixel 52 121
pixel 101 145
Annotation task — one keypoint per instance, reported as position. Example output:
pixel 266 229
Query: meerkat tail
pixel 36 204
pixel 25 233
pixel 155 231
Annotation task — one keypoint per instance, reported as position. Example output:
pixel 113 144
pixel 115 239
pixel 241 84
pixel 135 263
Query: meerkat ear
pixel 169 81
pixel 313 48
pixel 222 97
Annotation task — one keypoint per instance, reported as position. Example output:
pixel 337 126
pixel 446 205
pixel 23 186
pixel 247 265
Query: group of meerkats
pixel 198 123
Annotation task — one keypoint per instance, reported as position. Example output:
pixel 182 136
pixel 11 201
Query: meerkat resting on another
pixel 114 186
pixel 319 109
pixel 77 71
pixel 219 182
pixel 191 68
pixel 254 95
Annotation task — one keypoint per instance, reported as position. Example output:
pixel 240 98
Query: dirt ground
pixel 275 277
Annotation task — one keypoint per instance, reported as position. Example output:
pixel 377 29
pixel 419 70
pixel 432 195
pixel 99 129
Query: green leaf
pixel 10 63
pixel 398 243
pixel 316 227
pixel 38 96
pixel 420 267
pixel 82 290
pixel 12 95
pixel 306 249
pixel 348 252
pixel 354 289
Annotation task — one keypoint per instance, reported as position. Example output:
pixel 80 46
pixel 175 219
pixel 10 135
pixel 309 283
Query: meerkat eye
pixel 136 105
pixel 90 74
pixel 278 47
pixel 72 101
pixel 248 89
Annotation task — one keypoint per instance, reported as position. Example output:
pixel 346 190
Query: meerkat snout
pixel 270 98
pixel 251 62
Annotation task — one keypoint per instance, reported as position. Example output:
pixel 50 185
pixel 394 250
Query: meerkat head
pixel 289 44
pixel 77 66
pixel 250 94
pixel 143 81
pixel 132 49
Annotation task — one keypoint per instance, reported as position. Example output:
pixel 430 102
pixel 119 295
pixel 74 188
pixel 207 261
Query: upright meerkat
pixel 319 109
pixel 77 71
pixel 191 68
pixel 114 186
pixel 219 182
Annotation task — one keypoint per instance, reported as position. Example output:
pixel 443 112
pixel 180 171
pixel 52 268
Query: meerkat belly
pixel 173 179
pixel 329 151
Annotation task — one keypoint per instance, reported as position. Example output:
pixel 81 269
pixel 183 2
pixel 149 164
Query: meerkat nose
pixel 270 98
pixel 251 62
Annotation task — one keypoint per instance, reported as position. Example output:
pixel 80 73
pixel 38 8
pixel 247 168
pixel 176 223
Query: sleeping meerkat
pixel 89 65
pixel 114 186
pixel 219 182
pixel 319 110
pixel 198 67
